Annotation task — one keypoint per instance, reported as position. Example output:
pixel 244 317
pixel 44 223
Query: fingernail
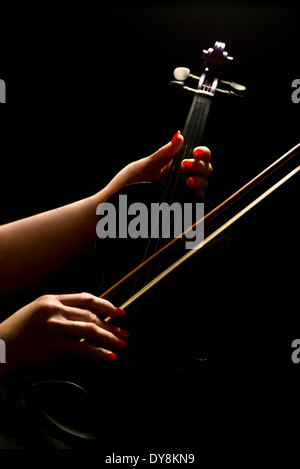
pixel 120 311
pixel 198 153
pixel 123 334
pixel 121 343
pixel 111 355
pixel 175 136
pixel 187 164
pixel 192 181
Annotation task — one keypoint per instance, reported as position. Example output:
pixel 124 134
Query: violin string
pixel 175 182
pixel 176 177
pixel 176 185
pixel 193 130
pixel 173 170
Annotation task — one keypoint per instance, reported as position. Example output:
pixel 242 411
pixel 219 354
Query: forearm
pixel 34 247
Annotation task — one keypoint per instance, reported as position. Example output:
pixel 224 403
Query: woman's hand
pixel 154 168
pixel 201 168
pixel 53 325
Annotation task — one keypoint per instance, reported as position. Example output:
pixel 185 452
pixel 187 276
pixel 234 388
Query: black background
pixel 87 93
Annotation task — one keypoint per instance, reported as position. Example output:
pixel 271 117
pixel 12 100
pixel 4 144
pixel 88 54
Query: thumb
pixel 166 153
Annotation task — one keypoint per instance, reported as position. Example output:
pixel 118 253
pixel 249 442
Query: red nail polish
pixel 175 136
pixel 123 334
pixel 121 343
pixel 120 311
pixel 111 355
pixel 198 153
pixel 192 181
pixel 186 164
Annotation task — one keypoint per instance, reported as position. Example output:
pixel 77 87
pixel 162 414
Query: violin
pixel 159 372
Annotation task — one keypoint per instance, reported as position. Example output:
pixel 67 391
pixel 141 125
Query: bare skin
pixel 35 247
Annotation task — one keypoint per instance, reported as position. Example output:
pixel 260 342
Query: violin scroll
pixel 215 59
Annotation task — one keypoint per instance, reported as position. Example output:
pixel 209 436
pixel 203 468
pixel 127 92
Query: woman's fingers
pixel 166 153
pixel 90 350
pixel 82 315
pixel 91 303
pixel 200 167
pixel 200 163
pixel 197 166
pixel 198 183
pixel 82 330
pixel 202 153
pixel 93 332
pixel 155 167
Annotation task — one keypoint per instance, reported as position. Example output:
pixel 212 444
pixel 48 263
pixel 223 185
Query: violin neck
pixel 193 133
pixel 196 122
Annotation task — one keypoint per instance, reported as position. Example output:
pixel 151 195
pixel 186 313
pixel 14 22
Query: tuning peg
pixel 229 93
pixel 235 86
pixel 177 86
pixel 182 73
